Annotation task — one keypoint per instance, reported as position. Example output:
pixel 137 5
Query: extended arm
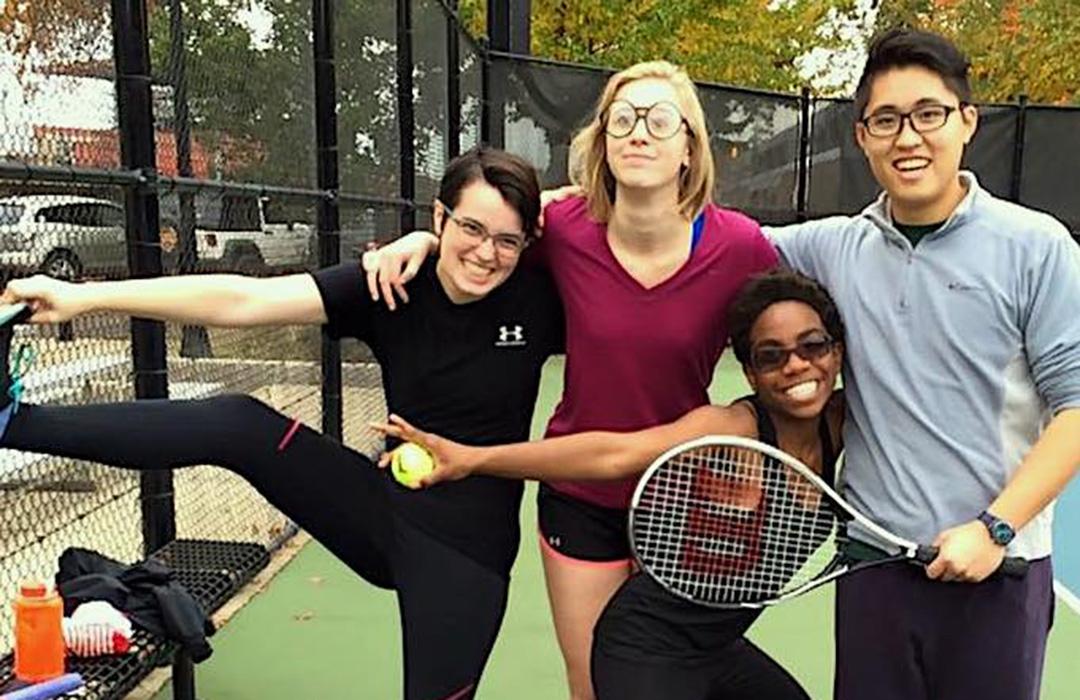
pixel 591 455
pixel 213 300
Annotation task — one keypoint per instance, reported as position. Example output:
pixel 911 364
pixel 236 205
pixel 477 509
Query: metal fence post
pixel 1018 150
pixel 194 340
pixel 453 84
pixel 802 191
pixel 328 219
pixel 405 115
pixel 131 53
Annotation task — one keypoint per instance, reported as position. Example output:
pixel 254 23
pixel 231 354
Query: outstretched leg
pixel 333 492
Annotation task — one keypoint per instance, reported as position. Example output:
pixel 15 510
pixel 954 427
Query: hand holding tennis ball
pixel 409 463
pixel 425 459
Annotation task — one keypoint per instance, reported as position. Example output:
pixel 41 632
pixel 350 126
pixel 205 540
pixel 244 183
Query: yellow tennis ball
pixel 409 462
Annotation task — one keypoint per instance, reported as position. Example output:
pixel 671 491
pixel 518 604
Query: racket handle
pixel 1013 567
pixel 924 553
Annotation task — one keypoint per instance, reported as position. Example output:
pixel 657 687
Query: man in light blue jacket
pixel 963 391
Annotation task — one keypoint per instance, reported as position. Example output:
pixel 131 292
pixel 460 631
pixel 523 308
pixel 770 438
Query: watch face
pixel 1001 532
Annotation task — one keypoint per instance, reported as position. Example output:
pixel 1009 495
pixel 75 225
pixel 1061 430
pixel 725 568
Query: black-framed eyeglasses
pixel 662 120
pixel 922 119
pixel 768 358
pixel 507 245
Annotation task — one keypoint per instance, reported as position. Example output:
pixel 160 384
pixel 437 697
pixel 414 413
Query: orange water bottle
pixel 39 633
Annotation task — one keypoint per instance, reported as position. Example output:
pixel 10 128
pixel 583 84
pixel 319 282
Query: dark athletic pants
pixel 451 606
pixel 902 636
pixel 740 671
pixel 628 664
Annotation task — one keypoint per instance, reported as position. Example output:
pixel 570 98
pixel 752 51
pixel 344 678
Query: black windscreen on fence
pixel 840 180
pixel 755 143
pixel 544 105
pixel 991 154
pixel 1051 157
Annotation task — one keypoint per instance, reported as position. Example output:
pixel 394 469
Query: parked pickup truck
pixel 232 233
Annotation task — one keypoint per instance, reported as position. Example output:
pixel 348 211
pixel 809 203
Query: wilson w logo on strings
pixel 723 532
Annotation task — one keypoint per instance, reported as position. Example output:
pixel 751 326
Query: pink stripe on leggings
pixel 460 693
pixel 288 435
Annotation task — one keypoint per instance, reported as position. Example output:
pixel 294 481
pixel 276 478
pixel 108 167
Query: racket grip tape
pixel 1013 567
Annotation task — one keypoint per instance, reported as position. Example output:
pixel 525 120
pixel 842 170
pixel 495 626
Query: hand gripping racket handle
pixel 1014 567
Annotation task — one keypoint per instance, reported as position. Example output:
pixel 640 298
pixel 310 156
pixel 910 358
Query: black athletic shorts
pixel 581 530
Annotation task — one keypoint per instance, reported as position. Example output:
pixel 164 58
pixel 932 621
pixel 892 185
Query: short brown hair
pixel 514 177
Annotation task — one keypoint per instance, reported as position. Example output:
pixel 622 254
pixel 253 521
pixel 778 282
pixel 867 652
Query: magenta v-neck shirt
pixel 638 357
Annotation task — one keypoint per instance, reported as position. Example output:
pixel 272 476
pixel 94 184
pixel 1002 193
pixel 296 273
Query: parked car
pixel 232 233
pixel 74 237
pixel 65 236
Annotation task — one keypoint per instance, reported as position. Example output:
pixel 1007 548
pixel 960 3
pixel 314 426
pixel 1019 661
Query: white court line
pixel 1066 596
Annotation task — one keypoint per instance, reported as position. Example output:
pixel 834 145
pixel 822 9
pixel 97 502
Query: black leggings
pixel 648 644
pixel 741 671
pixel 451 606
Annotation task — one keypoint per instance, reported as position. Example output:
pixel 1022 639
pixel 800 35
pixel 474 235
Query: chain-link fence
pixel 230 175
pixel 271 138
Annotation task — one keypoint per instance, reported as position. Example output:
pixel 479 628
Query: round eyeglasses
pixel 662 120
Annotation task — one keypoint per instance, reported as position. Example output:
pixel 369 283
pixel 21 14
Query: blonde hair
pixel 588 155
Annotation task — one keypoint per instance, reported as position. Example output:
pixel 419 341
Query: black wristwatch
pixel 1001 532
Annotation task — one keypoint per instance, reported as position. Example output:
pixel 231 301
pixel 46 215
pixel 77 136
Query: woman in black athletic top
pixel 446 552
pixel 648 644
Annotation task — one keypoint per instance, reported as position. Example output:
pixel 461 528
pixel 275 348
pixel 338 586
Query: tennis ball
pixel 409 462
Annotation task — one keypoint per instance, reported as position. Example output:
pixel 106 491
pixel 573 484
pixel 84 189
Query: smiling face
pixel 470 266
pixel 640 160
pixel 784 380
pixel 919 171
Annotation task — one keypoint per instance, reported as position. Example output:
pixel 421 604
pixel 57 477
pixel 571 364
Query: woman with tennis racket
pixel 650 643
pixel 646 266
pixel 446 553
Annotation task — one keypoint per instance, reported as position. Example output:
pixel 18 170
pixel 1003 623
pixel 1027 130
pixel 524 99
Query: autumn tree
pixel 73 30
pixel 1015 46
pixel 755 43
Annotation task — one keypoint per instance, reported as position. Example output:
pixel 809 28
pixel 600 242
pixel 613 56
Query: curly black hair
pixel 766 289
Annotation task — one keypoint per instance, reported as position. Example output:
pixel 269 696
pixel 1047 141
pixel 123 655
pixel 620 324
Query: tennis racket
pixel 731 522
pixel 16 312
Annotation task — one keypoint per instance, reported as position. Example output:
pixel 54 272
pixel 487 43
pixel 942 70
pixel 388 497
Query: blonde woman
pixel 646 266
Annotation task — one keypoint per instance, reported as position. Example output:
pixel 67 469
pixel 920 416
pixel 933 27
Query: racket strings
pixel 729 525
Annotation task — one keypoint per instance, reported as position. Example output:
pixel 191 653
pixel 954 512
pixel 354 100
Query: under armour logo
pixel 510 336
pixel 555 541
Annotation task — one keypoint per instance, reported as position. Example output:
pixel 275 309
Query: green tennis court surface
pixel 318 631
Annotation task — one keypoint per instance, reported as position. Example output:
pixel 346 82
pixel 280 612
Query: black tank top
pixel 643 622
pixel 767 434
